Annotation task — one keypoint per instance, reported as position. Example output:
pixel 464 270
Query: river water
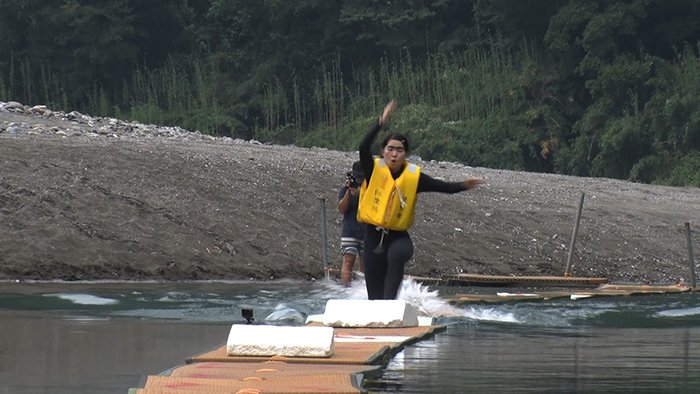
pixel 106 337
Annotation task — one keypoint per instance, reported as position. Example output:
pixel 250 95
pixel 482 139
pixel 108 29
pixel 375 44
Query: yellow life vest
pixel 386 202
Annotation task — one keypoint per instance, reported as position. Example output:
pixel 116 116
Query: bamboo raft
pixel 605 290
pixel 360 354
pixel 511 280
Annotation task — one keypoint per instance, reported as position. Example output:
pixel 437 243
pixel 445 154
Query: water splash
pixel 429 303
pixel 283 314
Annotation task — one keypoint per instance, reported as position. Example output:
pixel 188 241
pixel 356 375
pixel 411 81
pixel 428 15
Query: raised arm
pixel 366 151
pixel 366 146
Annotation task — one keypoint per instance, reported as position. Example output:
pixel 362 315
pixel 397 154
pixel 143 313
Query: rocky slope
pixel 98 198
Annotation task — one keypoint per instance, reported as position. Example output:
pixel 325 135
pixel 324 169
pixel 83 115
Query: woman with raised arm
pixel 387 205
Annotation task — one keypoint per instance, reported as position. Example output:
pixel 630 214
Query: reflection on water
pixel 106 337
pixel 50 353
pixel 481 358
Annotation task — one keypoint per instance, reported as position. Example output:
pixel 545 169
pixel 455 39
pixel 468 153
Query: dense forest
pixel 605 88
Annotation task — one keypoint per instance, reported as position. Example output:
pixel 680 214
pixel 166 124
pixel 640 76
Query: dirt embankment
pixel 89 198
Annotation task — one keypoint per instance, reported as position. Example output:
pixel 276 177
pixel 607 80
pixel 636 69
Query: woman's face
pixel 394 154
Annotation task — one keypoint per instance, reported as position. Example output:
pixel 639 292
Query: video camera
pixel 355 181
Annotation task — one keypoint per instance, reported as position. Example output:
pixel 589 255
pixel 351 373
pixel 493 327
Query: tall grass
pixel 333 111
pixel 464 89
pixel 4 90
pixel 476 84
pixel 466 85
pixel 26 78
pixel 33 84
pixel 173 95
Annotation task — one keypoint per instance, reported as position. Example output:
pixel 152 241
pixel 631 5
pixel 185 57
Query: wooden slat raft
pixel 359 353
pixel 511 280
pixel 601 291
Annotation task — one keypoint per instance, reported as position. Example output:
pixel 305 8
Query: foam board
pixel 287 341
pixel 370 313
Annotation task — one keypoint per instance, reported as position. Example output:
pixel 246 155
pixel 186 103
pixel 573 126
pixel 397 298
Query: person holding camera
pixel 353 234
pixel 388 206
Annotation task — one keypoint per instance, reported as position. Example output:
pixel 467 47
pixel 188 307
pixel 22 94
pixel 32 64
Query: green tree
pixel 615 64
pixel 88 42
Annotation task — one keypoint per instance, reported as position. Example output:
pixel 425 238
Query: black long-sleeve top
pixel 426 183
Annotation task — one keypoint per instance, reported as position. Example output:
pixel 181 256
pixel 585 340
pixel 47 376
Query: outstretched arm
pixel 426 183
pixel 472 183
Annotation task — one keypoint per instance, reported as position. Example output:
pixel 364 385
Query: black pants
pixel 384 270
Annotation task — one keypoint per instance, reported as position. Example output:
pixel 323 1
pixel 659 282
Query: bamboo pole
pixel 573 236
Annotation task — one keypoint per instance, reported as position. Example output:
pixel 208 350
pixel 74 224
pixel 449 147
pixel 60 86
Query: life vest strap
pixel 380 248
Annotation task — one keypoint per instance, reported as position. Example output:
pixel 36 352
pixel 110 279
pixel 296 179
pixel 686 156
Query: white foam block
pixel 370 313
pixel 288 341
pixel 426 321
pixel 314 319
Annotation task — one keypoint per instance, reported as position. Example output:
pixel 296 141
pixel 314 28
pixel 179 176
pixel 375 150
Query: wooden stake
pixel 324 238
pixel 690 255
pixel 573 236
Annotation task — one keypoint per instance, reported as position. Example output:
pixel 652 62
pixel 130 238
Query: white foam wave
pixel 678 312
pixel 85 299
pixel 490 315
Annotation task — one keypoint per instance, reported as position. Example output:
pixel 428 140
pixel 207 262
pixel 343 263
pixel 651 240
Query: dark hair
pixel 397 137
